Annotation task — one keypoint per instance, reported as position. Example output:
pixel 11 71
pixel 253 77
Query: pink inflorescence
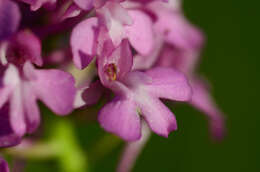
pixel 142 51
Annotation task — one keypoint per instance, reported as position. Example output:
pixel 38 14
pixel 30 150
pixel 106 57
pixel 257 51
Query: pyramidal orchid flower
pixel 22 85
pixel 118 23
pixel 3 165
pixel 178 46
pixel 186 60
pixel 137 95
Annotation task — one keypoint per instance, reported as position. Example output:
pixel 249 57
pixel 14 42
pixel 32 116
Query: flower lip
pixel 111 71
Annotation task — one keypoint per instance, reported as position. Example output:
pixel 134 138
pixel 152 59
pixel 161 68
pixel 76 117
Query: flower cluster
pixel 142 51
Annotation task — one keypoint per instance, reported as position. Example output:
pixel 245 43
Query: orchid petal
pixel 169 84
pixel 7 135
pixel 120 117
pixel 177 31
pixel 56 89
pixel 140 33
pixel 12 80
pixel 9 18
pixel 159 118
pixel 31 110
pixel 83 42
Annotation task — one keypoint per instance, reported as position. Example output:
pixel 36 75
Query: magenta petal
pixel 84 4
pixel 32 113
pixel 7 135
pixel 122 58
pixel 140 33
pixel 17 118
pixel 56 89
pixel 120 117
pixel 159 118
pixel 169 84
pixel 12 80
pixel 182 60
pixel 83 42
pixel 4 95
pixel 202 100
pixel 144 62
pixel 177 31
pixel 9 18
pixel 3 165
pixel 119 13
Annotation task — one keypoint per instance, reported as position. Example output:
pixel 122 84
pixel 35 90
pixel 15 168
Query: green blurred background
pixel 229 61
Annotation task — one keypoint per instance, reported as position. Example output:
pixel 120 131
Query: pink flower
pixel 113 22
pixel 137 95
pixel 22 85
pixel 178 46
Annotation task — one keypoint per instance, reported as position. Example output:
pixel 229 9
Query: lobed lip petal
pixel 17 118
pixel 169 84
pixel 83 42
pixel 120 117
pixel 56 89
pixel 12 80
pixel 141 90
pixel 9 18
pixel 159 118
